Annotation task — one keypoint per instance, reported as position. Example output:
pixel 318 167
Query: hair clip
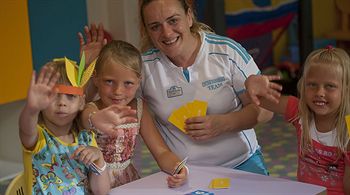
pixel 329 47
pixel 77 76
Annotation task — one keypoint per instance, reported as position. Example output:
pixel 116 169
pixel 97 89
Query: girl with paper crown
pixel 318 116
pixel 117 78
pixel 58 156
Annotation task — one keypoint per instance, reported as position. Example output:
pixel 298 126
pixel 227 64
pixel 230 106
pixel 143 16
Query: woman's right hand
pixel 107 119
pixel 92 43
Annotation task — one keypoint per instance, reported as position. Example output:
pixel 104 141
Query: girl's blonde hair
pixel 121 52
pixel 146 42
pixel 334 58
pixel 60 67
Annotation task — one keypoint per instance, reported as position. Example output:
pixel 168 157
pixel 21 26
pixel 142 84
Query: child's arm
pixel 89 154
pixel 107 119
pixel 40 94
pixel 346 180
pixel 165 158
pixel 91 44
pixel 265 93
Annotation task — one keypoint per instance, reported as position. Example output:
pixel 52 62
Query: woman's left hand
pixel 178 179
pixel 205 127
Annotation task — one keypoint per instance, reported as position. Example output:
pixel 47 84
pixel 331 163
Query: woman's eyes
pixel 155 27
pixel 172 21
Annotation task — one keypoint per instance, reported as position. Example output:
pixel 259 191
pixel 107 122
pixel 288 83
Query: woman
pixel 185 61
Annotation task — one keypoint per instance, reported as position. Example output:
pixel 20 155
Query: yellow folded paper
pixel 220 183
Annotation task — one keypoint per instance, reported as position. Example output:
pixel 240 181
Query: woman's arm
pixel 165 158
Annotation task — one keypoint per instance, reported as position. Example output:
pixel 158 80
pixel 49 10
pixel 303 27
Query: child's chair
pixel 17 186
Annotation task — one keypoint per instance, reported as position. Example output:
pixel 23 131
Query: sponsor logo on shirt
pixel 174 91
pixel 214 83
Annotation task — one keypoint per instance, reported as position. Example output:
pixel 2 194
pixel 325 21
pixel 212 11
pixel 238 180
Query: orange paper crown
pixel 77 76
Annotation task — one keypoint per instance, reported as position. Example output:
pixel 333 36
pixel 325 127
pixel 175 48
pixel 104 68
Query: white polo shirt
pixel 217 77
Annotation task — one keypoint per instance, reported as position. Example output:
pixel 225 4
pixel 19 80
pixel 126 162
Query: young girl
pixel 318 115
pixel 57 156
pixel 117 78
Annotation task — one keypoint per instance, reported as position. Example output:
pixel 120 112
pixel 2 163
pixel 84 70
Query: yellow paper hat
pixel 77 76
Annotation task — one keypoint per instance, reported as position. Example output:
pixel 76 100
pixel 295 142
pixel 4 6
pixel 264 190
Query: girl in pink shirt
pixel 318 116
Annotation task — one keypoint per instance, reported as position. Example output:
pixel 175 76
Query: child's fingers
pixel 81 39
pixel 93 31
pixel 254 98
pixel 76 153
pixel 87 157
pixel 42 74
pixel 32 82
pixel 87 34
pixel 47 76
pixel 100 34
pixel 276 86
pixel 273 77
pixel 54 78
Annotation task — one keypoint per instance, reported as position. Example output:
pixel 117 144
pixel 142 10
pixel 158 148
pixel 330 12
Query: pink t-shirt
pixel 320 166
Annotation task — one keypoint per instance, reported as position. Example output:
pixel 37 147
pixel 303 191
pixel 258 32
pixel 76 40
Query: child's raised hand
pixel 107 119
pixel 88 155
pixel 41 90
pixel 261 86
pixel 178 179
pixel 93 42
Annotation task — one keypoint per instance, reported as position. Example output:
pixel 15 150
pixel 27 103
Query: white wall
pixel 10 147
pixel 119 17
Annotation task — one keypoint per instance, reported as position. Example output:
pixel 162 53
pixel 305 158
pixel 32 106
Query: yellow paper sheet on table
pixel 220 183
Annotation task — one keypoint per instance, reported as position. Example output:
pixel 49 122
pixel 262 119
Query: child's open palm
pixel 262 86
pixel 41 91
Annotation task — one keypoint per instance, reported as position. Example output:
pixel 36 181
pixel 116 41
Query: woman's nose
pixel 167 30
